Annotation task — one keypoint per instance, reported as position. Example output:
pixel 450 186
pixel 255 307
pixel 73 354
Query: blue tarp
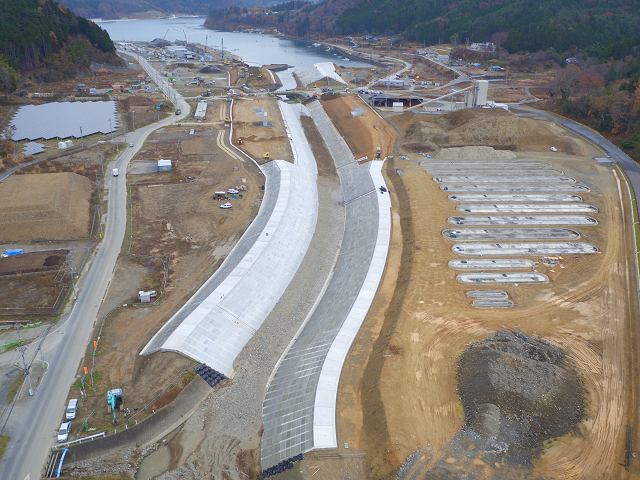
pixel 13 251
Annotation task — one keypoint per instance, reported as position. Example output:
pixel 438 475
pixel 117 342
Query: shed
pixel 118 88
pixel 145 297
pixel 398 107
pixel 83 89
pixel 164 165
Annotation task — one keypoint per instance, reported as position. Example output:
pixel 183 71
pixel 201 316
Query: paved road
pixel 34 421
pixel 630 167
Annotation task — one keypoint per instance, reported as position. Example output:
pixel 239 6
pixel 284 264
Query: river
pixel 253 48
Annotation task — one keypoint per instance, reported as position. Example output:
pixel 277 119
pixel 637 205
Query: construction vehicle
pixel 378 151
pixel 239 141
pixel 178 112
pixel 265 155
pixel 114 400
pixel 227 119
pixel 159 106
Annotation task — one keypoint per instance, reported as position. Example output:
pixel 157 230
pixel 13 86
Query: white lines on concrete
pixel 494 294
pixel 502 173
pixel 489 249
pixel 496 278
pixel 522 220
pixel 515 188
pixel 533 208
pixel 498 179
pixel 511 234
pixel 497 198
pixel 493 303
pixel 490 264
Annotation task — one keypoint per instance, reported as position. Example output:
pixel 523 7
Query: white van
pixel 72 409
pixel 115 172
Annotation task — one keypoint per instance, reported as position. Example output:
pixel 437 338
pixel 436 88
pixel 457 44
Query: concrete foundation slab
pixel 511 234
pixel 484 164
pixel 515 188
pixel 493 303
pixel 503 172
pixel 498 198
pixel 496 278
pixel 489 249
pixel 523 220
pixel 527 208
pixel 490 264
pixel 498 179
pixel 492 294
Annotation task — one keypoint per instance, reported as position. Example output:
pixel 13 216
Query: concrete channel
pixel 493 303
pixel 488 294
pixel 523 220
pixel 527 208
pixel 490 249
pixel 515 188
pixel 511 234
pixel 490 264
pixel 491 178
pixel 494 278
pixel 503 173
pixel 490 165
pixel 498 198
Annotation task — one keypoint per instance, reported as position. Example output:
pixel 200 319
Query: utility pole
pixel 26 369
pixel 81 136
pixel 134 119
pixel 112 138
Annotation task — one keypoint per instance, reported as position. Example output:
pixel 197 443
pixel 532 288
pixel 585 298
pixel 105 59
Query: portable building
pixel 164 165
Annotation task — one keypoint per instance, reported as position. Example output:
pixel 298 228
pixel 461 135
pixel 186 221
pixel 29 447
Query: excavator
pixel 114 400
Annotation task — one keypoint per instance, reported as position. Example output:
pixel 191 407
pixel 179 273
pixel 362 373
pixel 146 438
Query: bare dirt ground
pixel 365 133
pixel 398 390
pixel 145 106
pixel 180 224
pixel 256 139
pixel 48 206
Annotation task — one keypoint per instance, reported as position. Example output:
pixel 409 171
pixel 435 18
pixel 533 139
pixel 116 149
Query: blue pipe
pixel 64 452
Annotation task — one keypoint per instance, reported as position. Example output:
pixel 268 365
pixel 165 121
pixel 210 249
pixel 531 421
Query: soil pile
pixel 211 69
pixel 52 206
pixel 487 126
pixel 517 392
pixel 520 390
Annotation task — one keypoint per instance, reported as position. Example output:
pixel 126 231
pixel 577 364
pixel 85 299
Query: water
pixel 253 48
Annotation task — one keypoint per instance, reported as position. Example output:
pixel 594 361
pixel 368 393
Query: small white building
pixel 145 297
pixel 201 111
pixel 391 83
pixel 164 165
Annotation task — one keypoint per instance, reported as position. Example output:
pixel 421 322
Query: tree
pixel 8 76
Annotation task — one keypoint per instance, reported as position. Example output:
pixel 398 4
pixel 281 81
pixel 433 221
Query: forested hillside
pixel 38 35
pixel 520 25
pixel 114 9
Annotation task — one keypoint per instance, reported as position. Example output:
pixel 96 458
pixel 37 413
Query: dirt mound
pixel 520 388
pixel 491 126
pixel 211 69
pixel 52 206
pixel 473 153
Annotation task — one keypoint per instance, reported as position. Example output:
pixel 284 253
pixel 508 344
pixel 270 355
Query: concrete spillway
pixel 494 294
pixel 515 188
pixel 489 178
pixel 493 303
pixel 527 208
pixel 490 264
pixel 484 164
pixel 495 278
pixel 497 198
pixel 511 234
pixel 490 249
pixel 523 220
pixel 501 173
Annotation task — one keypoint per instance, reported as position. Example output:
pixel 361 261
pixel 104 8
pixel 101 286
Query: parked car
pixel 63 433
pixel 72 409
pixel 233 190
pixel 226 205
pixel 554 149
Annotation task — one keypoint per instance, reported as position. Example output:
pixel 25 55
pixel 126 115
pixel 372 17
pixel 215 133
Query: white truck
pixel 115 172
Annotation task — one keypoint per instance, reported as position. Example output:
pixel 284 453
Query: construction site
pixel 332 285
